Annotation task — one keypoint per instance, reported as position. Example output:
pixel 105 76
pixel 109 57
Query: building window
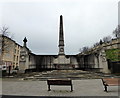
pixel 15 50
pixel 14 57
pixel 17 58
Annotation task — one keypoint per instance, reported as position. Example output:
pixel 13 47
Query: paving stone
pixel 86 87
pixel 85 84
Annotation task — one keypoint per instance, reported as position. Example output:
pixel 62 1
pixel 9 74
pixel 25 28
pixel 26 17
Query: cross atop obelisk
pixel 61 37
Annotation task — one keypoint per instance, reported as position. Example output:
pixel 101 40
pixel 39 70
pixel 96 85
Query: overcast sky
pixel 85 22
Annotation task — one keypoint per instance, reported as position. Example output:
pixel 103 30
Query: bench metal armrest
pixel 104 82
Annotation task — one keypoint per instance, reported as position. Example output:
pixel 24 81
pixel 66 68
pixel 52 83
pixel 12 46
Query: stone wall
pixel 32 61
pixel 44 62
pixel 95 58
pixel 47 62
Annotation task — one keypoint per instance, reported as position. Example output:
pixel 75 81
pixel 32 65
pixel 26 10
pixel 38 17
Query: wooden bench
pixel 110 82
pixel 60 82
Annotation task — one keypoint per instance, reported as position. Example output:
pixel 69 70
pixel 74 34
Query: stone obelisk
pixel 61 37
pixel 61 62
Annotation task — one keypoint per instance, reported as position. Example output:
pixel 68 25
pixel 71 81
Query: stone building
pixel 14 57
pixel 0 49
pixel 10 53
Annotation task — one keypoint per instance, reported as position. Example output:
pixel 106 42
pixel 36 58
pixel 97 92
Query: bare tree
pixel 4 31
pixel 96 44
pixel 5 44
pixel 107 39
pixel 85 49
pixel 116 32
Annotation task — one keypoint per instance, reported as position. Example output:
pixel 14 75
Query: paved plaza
pixel 34 86
pixel 87 87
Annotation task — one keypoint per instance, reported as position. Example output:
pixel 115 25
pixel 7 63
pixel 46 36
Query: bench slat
pixel 110 82
pixel 59 82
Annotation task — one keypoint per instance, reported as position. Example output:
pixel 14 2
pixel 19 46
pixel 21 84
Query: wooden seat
pixel 60 82
pixel 110 82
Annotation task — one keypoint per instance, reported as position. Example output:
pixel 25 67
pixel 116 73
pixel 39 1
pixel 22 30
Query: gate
pixel 114 66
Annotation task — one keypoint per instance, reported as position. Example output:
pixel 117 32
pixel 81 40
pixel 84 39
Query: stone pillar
pixel 61 37
pixel 24 58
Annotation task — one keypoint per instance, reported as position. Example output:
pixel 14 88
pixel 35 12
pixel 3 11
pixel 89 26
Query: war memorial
pixel 89 74
pixel 60 76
